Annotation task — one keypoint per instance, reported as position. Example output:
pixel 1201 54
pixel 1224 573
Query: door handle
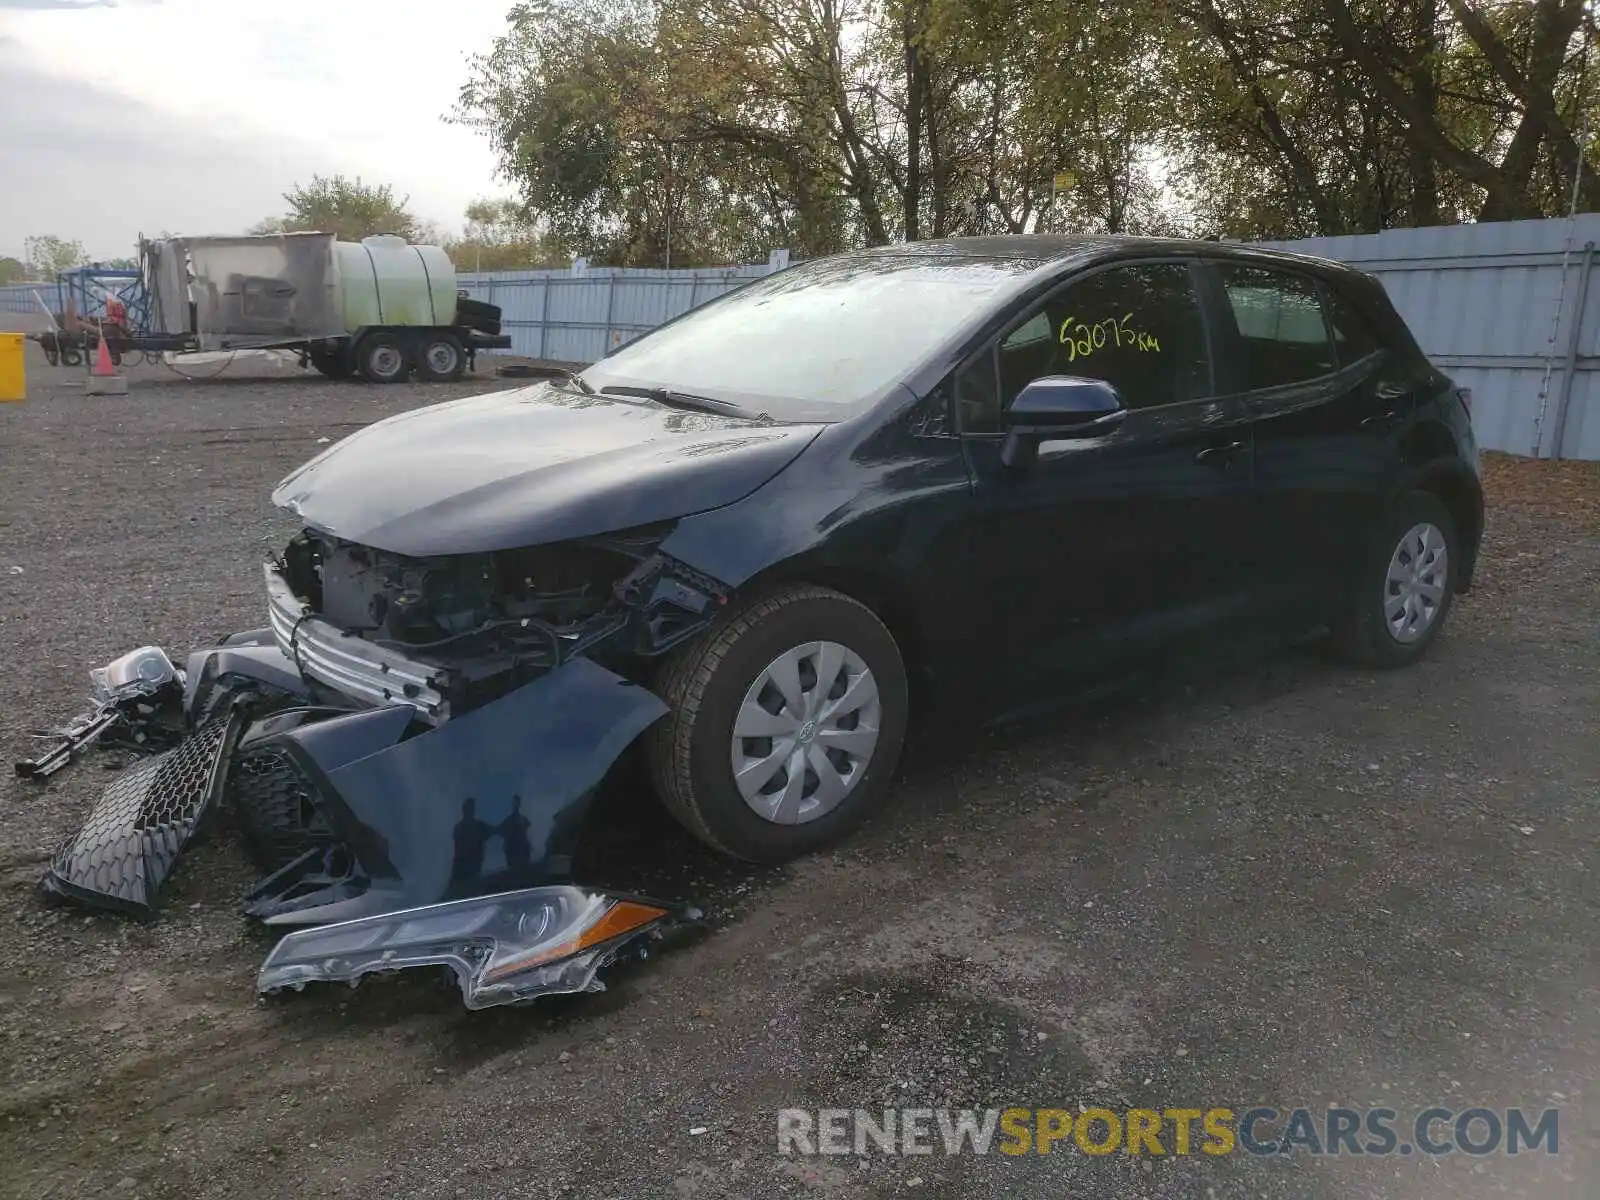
pixel 1387 419
pixel 1220 456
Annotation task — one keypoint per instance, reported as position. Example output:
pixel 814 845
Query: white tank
pixel 384 280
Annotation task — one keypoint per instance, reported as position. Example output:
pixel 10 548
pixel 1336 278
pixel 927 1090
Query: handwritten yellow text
pixel 1083 338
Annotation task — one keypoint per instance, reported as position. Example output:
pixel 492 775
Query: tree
pixel 500 236
pixel 12 270
pixel 347 208
pixel 49 255
pixel 1358 115
pixel 713 130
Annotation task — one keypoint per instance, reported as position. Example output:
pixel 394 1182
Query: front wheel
pixel 382 358
pixel 1406 582
pixel 786 724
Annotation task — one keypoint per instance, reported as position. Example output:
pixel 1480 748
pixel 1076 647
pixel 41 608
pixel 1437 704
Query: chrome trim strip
pixel 348 664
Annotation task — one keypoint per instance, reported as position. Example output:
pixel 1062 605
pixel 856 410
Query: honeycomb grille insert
pixel 126 849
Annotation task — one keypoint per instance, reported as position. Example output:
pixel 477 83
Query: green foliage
pixel 49 255
pixel 347 208
pixel 732 126
pixel 500 236
pixel 12 270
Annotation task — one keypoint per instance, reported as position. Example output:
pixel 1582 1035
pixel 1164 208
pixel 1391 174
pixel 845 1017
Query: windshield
pixel 817 342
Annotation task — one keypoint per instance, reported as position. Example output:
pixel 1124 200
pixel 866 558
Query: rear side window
pixel 1353 336
pixel 1282 328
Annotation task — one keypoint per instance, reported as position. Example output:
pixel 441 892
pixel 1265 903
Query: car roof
pixel 1047 253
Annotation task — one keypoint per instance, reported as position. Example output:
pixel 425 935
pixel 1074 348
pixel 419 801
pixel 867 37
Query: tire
pixel 443 360
pixel 335 364
pixel 1362 630
pixel 276 809
pixel 383 358
pixel 707 683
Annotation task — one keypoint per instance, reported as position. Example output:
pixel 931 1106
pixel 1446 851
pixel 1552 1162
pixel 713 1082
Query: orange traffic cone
pixel 102 358
pixel 103 378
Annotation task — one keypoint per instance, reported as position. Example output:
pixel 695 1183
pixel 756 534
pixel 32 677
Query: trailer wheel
pixel 382 358
pixel 443 360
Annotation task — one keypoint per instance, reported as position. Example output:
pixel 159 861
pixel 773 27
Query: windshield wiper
pixel 687 400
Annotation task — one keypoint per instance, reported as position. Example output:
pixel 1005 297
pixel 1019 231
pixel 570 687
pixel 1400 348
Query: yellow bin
pixel 13 375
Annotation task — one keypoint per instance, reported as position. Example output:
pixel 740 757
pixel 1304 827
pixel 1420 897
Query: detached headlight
pixel 137 673
pixel 503 949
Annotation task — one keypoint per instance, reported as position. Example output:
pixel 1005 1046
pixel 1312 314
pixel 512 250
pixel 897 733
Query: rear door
pixel 1111 546
pixel 1329 408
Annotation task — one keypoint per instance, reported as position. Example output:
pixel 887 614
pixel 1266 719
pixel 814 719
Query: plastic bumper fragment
pixel 507 948
pixel 126 849
pixel 489 802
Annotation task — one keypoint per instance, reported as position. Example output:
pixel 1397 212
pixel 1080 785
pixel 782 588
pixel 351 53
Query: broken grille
pixel 126 848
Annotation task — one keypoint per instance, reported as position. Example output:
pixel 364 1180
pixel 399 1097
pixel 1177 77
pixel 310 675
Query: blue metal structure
pixel 88 287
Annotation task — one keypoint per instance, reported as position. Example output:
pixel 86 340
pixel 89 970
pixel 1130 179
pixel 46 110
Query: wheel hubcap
pixel 442 358
pixel 386 360
pixel 1414 587
pixel 805 732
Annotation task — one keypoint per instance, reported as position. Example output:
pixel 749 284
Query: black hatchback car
pixel 1000 466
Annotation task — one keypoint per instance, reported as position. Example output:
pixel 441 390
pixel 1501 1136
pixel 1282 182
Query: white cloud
pixel 207 110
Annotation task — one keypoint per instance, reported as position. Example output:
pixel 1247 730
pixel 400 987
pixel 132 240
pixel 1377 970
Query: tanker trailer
pixel 381 307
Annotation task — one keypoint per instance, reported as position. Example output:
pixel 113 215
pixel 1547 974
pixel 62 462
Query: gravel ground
pixel 1291 885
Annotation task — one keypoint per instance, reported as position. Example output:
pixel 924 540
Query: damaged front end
pixel 425 734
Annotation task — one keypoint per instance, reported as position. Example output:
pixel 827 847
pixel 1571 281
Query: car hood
pixel 538 464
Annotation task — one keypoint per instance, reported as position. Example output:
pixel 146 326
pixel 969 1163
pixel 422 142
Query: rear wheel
pixel 786 724
pixel 1405 585
pixel 443 360
pixel 383 358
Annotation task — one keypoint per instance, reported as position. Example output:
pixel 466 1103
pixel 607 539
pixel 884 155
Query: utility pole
pixel 669 204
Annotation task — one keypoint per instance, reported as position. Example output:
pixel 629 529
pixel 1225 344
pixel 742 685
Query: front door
pixel 1104 550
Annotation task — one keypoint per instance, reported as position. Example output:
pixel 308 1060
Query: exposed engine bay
pixel 410 747
pixel 484 624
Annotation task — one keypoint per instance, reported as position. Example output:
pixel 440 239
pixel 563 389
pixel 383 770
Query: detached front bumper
pixel 451 836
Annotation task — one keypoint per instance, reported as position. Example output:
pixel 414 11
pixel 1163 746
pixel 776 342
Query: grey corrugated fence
pixel 19 297
pixel 580 317
pixel 1482 301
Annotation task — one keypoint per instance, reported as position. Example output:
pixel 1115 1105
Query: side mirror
pixel 1058 407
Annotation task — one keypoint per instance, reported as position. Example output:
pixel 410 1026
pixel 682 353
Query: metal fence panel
pixel 1481 300
pixel 581 317
pixel 20 298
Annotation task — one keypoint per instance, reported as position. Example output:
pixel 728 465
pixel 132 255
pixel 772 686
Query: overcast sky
pixel 195 116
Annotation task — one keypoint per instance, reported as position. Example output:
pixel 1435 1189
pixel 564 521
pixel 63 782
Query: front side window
pixel 1137 327
pixel 1282 331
